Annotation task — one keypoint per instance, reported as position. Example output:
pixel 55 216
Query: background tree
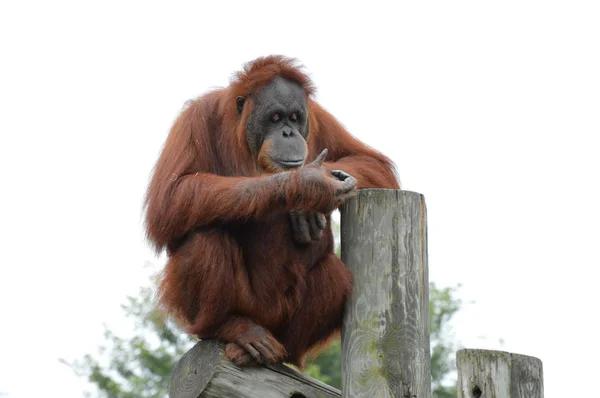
pixel 443 304
pixel 139 366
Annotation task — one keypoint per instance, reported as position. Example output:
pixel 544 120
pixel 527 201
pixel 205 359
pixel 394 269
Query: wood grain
pixel 204 372
pixel 485 373
pixel 385 336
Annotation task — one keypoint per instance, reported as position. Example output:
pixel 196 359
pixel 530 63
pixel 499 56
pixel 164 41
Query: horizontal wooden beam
pixel 205 372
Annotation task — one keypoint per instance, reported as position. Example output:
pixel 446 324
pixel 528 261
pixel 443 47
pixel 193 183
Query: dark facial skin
pixel 277 132
pixel 277 128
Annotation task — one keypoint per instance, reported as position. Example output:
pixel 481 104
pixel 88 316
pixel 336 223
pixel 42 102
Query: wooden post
pixel 483 373
pixel 385 336
pixel 205 372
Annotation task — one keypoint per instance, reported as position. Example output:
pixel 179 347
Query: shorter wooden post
pixel 484 373
pixel 205 372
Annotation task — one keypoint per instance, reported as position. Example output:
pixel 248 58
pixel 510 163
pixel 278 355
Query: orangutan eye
pixel 294 117
pixel 275 117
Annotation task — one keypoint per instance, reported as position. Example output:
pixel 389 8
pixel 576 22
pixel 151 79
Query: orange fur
pixel 232 260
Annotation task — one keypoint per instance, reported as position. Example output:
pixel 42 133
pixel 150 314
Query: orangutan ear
pixel 240 103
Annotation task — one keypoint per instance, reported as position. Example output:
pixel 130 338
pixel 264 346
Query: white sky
pixel 492 111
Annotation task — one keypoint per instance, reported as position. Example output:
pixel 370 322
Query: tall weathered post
pixel 485 373
pixel 385 336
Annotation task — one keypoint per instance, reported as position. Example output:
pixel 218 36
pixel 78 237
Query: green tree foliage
pixel 443 304
pixel 327 367
pixel 140 366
